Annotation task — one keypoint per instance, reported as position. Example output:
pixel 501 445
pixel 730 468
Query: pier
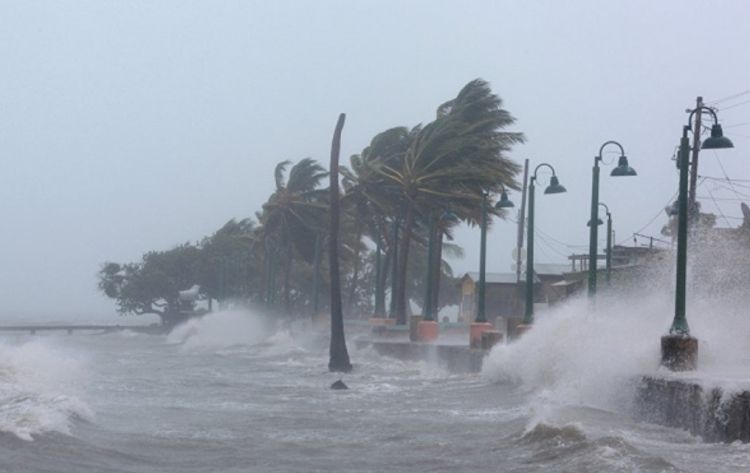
pixel 33 329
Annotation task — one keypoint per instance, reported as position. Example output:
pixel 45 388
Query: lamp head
pixel 504 202
pixel 598 222
pixel 717 139
pixel 554 186
pixel 623 168
pixel 449 216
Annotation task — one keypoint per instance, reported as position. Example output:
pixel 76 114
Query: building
pixel 505 296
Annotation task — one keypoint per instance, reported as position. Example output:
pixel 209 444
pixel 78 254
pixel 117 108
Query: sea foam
pixel 37 390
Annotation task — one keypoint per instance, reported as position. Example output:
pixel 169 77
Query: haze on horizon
pixel 132 126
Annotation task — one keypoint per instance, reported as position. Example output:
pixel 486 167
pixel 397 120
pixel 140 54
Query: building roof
pixel 551 269
pixel 497 278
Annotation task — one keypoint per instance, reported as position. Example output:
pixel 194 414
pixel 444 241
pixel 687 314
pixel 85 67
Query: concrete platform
pixel 704 411
pixel 454 358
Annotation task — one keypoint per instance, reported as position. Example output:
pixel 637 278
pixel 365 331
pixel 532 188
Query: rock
pixel 339 385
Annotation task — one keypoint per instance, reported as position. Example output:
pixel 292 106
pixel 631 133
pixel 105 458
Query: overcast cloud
pixel 130 126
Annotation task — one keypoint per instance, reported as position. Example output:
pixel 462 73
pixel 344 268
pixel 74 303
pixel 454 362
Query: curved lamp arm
pixel 602 204
pixel 702 109
pixel 543 165
pixel 607 143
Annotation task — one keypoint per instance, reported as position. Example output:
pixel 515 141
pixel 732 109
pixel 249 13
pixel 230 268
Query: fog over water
pixel 132 126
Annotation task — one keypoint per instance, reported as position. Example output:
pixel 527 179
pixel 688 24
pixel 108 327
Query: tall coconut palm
pixel 293 215
pixel 338 354
pixel 451 163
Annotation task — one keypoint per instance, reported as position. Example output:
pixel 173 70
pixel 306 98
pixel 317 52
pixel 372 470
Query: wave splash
pixel 36 386
pixel 224 329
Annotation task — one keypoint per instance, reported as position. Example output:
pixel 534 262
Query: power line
pixel 724 179
pixel 736 125
pixel 734 106
pixel 729 199
pixel 653 219
pixel 718 207
pixel 733 96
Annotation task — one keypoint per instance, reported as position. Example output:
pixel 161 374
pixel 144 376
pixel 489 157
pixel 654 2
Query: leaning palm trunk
pixel 401 299
pixel 287 282
pixel 437 270
pixel 338 354
pixel 350 302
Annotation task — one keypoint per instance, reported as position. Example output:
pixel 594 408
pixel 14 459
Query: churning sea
pixel 228 393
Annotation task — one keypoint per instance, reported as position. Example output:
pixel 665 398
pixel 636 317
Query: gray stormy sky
pixel 130 126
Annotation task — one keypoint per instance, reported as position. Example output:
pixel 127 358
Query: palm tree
pixel 338 354
pixel 451 163
pixel 292 217
pixel 367 205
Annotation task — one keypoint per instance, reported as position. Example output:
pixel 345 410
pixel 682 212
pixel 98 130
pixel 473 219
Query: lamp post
pixel 481 324
pixel 609 241
pixel 622 169
pixel 503 203
pixel 554 187
pixel 679 351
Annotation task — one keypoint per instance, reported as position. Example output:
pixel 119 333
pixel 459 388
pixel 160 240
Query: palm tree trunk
pixel 355 269
pixel 403 264
pixel 437 271
pixel 287 282
pixel 338 354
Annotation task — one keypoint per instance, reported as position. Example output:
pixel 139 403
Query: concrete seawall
pixel 707 412
pixel 454 358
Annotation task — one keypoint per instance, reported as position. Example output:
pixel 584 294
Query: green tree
pixel 292 217
pixel 152 286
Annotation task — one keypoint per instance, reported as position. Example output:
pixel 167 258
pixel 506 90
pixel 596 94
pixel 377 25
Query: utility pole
pixel 692 211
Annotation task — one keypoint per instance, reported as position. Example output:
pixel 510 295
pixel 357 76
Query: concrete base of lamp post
pixel 476 329
pixel 381 321
pixel 490 338
pixel 414 321
pixel 427 331
pixel 522 328
pixel 679 352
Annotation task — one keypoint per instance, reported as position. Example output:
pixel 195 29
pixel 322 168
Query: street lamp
pixel 503 203
pixel 554 187
pixel 480 324
pixel 609 241
pixel 679 351
pixel 622 169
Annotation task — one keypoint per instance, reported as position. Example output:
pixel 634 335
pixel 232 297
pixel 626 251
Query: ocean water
pixel 230 393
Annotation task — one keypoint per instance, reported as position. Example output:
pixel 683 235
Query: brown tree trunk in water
pixel 401 299
pixel 338 354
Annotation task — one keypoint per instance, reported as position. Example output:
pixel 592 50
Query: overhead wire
pixel 653 219
pixel 724 109
pixel 730 97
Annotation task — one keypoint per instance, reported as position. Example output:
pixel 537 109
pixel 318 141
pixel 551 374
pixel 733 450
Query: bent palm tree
pixel 451 163
pixel 293 214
